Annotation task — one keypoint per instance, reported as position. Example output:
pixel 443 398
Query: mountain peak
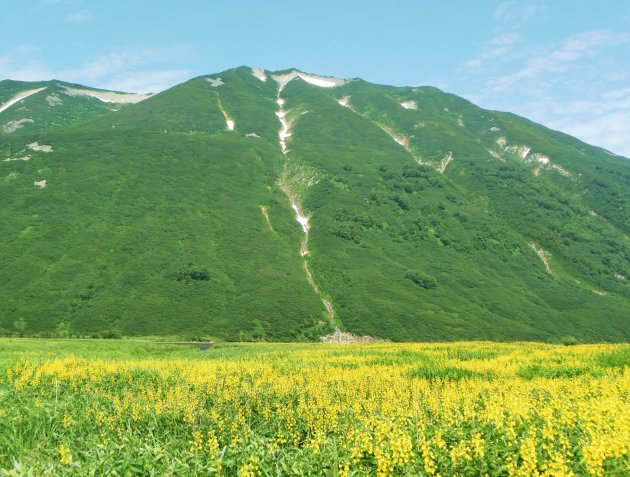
pixel 281 205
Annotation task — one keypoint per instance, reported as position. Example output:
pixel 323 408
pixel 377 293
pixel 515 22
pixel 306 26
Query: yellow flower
pixel 67 421
pixel 65 457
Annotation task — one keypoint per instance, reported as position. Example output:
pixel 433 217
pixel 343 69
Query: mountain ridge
pixel 404 213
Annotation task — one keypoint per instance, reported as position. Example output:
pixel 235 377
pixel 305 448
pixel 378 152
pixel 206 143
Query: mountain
pixel 252 204
pixel 38 106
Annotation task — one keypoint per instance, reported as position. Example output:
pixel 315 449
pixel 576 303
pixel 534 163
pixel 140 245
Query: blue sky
pixel 563 63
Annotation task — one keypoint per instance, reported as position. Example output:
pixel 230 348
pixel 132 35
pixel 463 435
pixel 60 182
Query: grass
pixel 129 407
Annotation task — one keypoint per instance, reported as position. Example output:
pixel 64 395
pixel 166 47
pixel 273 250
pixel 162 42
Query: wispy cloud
pixel 126 69
pixel 600 119
pixel 609 130
pixel 499 46
pixel 148 81
pixel 561 59
pixel 80 16
pixel 516 11
pixel 577 84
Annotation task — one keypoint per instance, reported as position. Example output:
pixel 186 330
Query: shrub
pixel 402 203
pixel 421 279
pixel 195 273
pixel 569 340
pixel 112 334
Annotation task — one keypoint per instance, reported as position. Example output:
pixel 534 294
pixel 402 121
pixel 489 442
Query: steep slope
pixel 252 204
pixel 409 205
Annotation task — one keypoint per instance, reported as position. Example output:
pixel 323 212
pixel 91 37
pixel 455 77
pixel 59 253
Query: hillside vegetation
pixel 427 218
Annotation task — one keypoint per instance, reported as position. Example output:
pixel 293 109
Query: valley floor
pixel 471 408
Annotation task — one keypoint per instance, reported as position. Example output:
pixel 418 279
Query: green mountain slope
pixel 402 213
pixel 39 106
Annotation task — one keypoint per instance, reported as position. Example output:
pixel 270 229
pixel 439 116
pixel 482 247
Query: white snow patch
pixel 215 82
pixel 321 81
pixel 13 126
pixel 229 122
pixel 41 183
pixel 35 146
pixel 523 151
pixel 446 160
pixel 53 100
pixel 540 160
pixel 23 158
pixel 345 101
pixel 260 74
pixel 561 170
pixel 403 141
pixel 495 129
pixel 251 134
pixel 544 256
pixel 424 162
pixel 409 105
pixel 19 97
pixel 496 155
pixel 284 79
pixel 544 160
pixel 301 218
pixel 460 122
pixel 285 131
pixel 107 96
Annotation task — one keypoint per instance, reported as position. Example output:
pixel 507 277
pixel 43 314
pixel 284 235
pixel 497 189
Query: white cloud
pixel 578 85
pixel 80 16
pixel 147 81
pixel 127 69
pixel 608 130
pixel 499 46
pixel 516 11
pixel 505 39
pixel 585 41
pixel 25 70
pixel 602 120
pixel 562 58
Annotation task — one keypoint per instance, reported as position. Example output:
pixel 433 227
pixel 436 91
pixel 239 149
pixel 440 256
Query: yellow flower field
pixel 383 409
